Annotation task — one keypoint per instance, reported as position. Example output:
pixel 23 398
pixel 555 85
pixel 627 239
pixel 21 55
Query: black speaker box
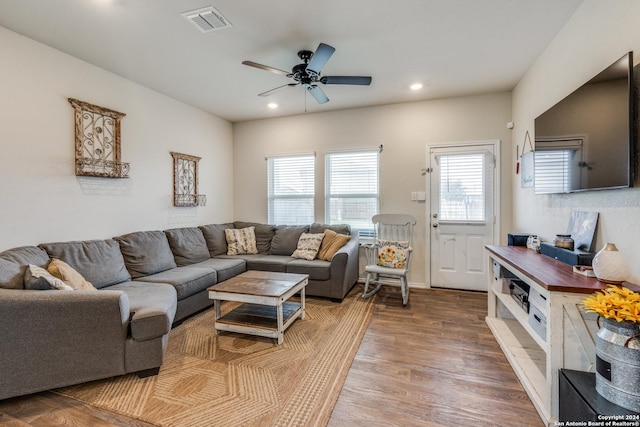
pixel 517 239
pixel 575 257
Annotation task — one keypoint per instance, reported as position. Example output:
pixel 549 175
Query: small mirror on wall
pixel 185 181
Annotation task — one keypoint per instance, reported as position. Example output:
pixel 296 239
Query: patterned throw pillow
pixel 37 278
pixel 241 241
pixel 393 254
pixel 308 246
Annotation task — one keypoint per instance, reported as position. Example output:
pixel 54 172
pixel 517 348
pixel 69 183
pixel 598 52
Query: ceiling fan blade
pixel 269 92
pixel 320 58
pixel 318 94
pixel 266 68
pixel 346 80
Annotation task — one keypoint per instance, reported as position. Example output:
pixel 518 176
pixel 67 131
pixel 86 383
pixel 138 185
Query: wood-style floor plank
pixel 433 363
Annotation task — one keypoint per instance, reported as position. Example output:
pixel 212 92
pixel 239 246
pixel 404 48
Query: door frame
pixel 497 202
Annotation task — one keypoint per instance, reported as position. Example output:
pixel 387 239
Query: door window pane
pixel 462 196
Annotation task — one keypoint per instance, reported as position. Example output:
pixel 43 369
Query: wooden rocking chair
pixel 388 258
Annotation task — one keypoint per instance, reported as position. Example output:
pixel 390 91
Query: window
pixel 351 189
pixel 291 189
pixel 462 183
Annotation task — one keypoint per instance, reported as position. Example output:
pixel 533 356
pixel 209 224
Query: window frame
pixel 272 197
pixel 367 231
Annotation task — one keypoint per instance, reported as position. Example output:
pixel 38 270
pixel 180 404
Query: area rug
pixel 237 380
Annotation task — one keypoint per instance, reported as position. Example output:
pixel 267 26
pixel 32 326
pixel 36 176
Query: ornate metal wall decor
pixel 185 181
pixel 97 138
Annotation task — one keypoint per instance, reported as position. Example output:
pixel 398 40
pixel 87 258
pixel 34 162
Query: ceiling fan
pixel 307 74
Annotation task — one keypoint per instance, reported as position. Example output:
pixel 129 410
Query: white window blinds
pixel 462 184
pixel 352 189
pixel 291 189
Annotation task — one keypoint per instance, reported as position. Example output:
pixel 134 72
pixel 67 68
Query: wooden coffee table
pixel 266 310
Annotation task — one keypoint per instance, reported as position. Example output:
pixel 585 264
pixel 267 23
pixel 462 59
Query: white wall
pixel 597 35
pixel 403 129
pixel 41 198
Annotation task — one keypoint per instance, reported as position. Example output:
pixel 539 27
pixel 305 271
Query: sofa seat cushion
pixel 187 280
pixel 13 263
pixel 187 245
pixel 226 268
pixel 152 307
pixel 316 269
pixel 146 252
pixel 99 262
pixel 270 263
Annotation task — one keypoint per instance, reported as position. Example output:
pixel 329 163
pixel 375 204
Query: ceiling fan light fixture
pixel 272 105
pixel 416 86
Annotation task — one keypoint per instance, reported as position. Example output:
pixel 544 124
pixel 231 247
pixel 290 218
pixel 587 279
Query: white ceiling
pixel 454 47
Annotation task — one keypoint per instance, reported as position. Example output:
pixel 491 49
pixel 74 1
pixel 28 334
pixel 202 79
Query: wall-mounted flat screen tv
pixel 586 141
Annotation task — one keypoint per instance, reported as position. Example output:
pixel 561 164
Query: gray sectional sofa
pixel 146 282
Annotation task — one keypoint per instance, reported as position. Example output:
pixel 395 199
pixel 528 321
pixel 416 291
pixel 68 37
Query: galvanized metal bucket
pixel 618 363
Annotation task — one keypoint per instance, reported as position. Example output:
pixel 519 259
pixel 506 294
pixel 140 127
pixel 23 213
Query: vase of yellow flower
pixel 617 345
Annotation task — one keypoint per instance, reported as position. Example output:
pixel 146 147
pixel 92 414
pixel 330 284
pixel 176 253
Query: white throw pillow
pixel 241 241
pixel 37 278
pixel 308 246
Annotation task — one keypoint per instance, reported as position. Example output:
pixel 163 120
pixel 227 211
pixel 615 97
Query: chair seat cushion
pixel 388 271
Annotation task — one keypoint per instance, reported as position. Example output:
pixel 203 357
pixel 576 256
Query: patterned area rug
pixel 233 379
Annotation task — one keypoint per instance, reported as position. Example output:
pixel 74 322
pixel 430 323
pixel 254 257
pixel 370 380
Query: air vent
pixel 207 19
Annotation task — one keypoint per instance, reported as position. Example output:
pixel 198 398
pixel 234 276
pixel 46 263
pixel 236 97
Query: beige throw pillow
pixel 69 276
pixel 331 243
pixel 241 241
pixel 308 246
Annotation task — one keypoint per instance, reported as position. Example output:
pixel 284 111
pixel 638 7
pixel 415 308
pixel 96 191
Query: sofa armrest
pixel 57 338
pixel 345 268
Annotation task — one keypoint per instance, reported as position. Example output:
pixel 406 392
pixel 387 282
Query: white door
pixel 461 214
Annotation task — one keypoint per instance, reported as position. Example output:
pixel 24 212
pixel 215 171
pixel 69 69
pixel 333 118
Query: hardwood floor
pixel 432 363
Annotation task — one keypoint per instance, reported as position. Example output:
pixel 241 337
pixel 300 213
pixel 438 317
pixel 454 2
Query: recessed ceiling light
pixel 272 105
pixel 416 86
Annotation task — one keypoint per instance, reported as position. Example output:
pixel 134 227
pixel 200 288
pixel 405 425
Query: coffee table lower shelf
pixel 260 320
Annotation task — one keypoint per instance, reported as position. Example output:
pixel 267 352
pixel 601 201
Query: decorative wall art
pixel 525 166
pixel 97 141
pixel 185 181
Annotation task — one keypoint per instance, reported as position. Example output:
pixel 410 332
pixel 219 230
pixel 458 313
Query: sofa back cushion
pixel 98 261
pixel 338 228
pixel 264 234
pixel 215 238
pixel 14 262
pixel 146 252
pixel 285 240
pixel 188 245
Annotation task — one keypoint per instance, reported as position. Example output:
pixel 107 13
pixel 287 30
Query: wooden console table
pixel 536 349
